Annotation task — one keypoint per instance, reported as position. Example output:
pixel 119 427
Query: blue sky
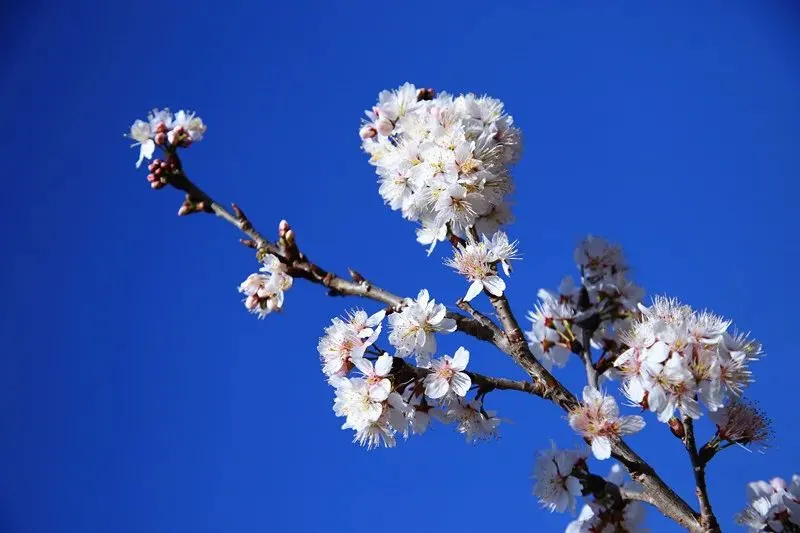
pixel 137 395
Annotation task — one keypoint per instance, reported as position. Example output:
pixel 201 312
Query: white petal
pixel 383 365
pixel 376 319
pixel 460 383
pixel 495 285
pixel 363 364
pixel 630 424
pixel 435 386
pixel 460 359
pixel 474 290
pixel 601 447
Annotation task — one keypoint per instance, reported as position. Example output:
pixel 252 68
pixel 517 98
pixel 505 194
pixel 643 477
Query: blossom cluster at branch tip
pixel 442 160
pixel 477 261
pixel 381 396
pixel 605 293
pixel 264 290
pixel 600 516
pixel 772 506
pixel 162 128
pixel 678 358
pixel 598 419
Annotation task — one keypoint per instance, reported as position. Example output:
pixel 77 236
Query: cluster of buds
pixel 160 172
pixel 165 130
pixel 286 239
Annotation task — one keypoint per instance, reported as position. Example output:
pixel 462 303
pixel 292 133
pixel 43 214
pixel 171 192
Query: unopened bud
pixel 161 128
pixel 384 126
pixel 367 132
pixel 272 305
pixel 161 138
pixel 151 178
pixel 154 165
pixel 157 185
pixel 283 227
pixel 289 236
pixel 186 209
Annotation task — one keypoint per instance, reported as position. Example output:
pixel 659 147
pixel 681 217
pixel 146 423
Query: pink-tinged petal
pixel 460 383
pixel 601 447
pixel 460 359
pixel 435 386
pixel 363 364
pixel 495 285
pixel 474 290
pixel 630 424
pixel 383 365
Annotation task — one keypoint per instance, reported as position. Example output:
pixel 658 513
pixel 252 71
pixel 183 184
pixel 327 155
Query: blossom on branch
pixel 447 376
pixel 347 340
pixel 772 506
pixel 162 128
pixel 264 291
pixel 413 328
pixel 597 419
pixel 477 261
pixel 442 161
pixel 602 515
pixel 555 485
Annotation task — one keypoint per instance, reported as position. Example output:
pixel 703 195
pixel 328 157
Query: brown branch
pixel 485 383
pixel 511 342
pixel 707 518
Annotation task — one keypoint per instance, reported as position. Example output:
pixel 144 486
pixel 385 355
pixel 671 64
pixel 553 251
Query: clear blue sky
pixel 137 395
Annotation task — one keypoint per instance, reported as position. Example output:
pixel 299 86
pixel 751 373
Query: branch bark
pixel 707 519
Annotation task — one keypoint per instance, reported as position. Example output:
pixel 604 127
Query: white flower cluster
pixel 443 161
pixel 162 127
pixel 559 475
pixel 773 506
pixel 596 517
pixel 557 485
pixel 477 261
pixel 677 355
pixel 597 419
pixel 605 294
pixel 264 291
pixel 382 396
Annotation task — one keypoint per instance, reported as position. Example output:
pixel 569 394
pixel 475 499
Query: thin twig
pixel 707 518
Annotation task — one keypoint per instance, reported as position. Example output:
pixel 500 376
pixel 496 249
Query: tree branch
pixel 484 383
pixel 707 518
pixel 510 339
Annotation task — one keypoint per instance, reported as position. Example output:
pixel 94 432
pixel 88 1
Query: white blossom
pixel 597 419
pixel 347 340
pixel 444 160
pixel 555 485
pixel 772 506
pixel 472 420
pixel 447 376
pixel 473 261
pixel 414 327
pixel 264 290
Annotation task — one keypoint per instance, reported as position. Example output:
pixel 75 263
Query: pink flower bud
pixel 384 126
pixel 271 305
pixel 367 132
pixel 161 138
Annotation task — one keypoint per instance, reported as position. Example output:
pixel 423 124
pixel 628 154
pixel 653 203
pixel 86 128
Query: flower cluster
pixel 605 302
pixel 382 396
pixel 413 328
pixel 162 128
pixel 677 356
pixel 477 261
pixel 772 506
pixel 601 515
pixel 443 161
pixel 557 485
pixel 264 290
pixel 597 419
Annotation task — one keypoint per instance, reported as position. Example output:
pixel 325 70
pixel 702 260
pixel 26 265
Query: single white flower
pixel 447 375
pixel 472 261
pixel 413 328
pixel 597 418
pixel 142 133
pixel 555 485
